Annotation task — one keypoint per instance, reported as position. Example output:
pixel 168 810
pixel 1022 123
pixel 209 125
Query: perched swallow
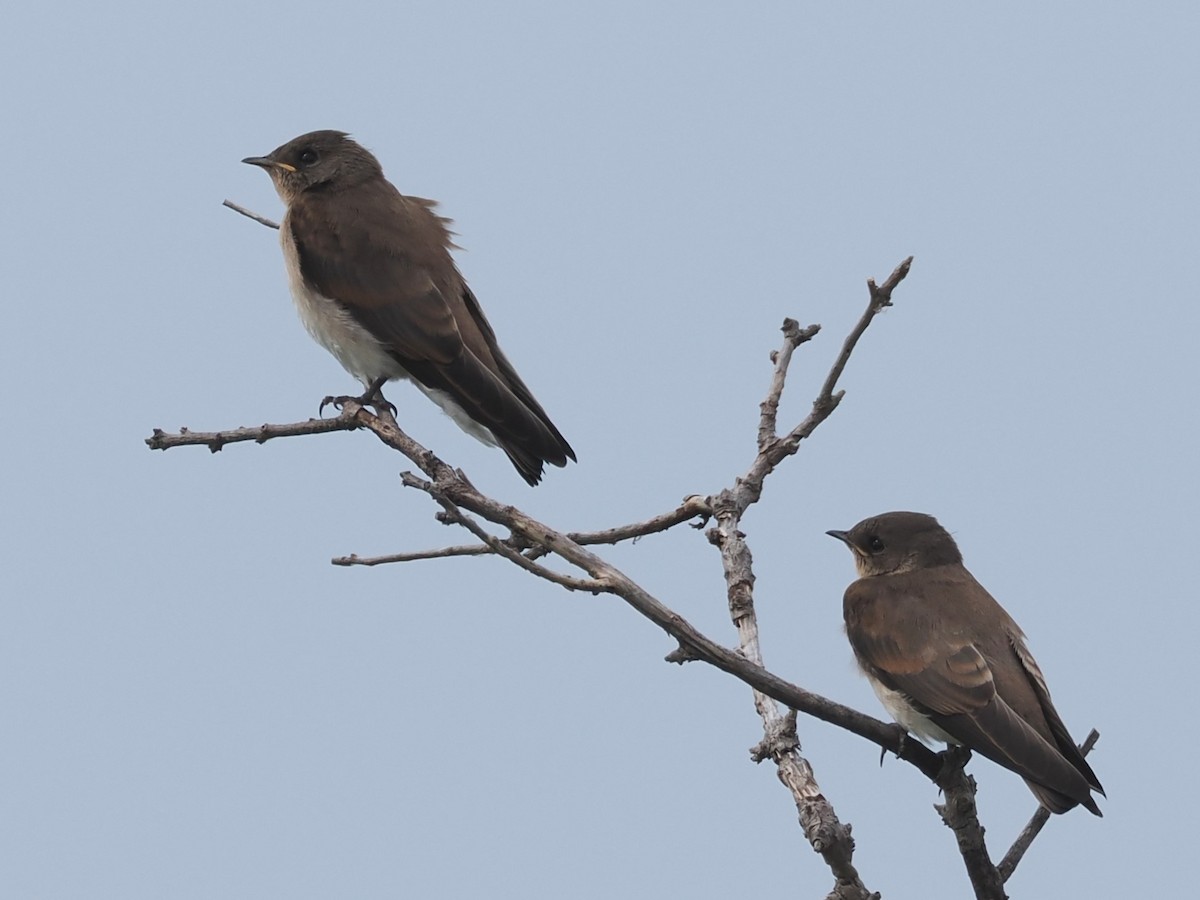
pixel 372 276
pixel 949 663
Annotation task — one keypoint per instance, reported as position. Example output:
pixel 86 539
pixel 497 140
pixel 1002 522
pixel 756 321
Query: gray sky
pixel 197 705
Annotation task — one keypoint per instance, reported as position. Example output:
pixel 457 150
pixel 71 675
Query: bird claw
pixel 377 400
pixel 373 397
pixel 336 402
pixel 903 738
pixel 954 758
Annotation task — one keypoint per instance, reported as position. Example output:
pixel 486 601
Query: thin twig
pixel 251 215
pixel 1016 852
pixel 215 440
pixel 456 515
pixel 793 336
pixel 443 553
pixel 773 452
pixel 693 507
pixel 881 297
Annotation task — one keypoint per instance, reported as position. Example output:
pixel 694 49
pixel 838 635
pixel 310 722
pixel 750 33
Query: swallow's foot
pixel 954 759
pixel 336 402
pixel 373 397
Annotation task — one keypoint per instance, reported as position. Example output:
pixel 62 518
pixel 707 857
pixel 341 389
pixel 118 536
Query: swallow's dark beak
pixel 265 162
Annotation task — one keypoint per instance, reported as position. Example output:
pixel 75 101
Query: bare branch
pixel 530 538
pixel 447 482
pixel 881 298
pixel 888 736
pixel 824 831
pixel 794 336
pixel 959 810
pixel 444 553
pixel 503 548
pixel 1016 852
pixel 251 215
pixel 961 815
pixel 450 483
pixel 215 440
pixel 693 507
pixel 772 450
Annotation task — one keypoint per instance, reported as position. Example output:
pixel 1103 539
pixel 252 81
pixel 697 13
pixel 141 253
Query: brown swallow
pixel 373 279
pixel 949 663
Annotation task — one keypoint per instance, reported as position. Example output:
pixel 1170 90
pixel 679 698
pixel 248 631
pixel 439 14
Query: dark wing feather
pixel 509 374
pixel 1062 737
pixel 936 661
pixel 385 259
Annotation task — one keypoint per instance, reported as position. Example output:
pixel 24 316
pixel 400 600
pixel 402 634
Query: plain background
pixel 195 704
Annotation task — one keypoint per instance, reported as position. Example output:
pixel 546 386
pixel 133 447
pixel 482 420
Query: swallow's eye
pixel 308 156
pixel 875 545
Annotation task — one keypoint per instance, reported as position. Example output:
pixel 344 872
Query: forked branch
pixel 527 541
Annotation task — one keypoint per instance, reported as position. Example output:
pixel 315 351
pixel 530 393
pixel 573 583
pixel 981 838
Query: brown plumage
pixel 375 284
pixel 949 663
